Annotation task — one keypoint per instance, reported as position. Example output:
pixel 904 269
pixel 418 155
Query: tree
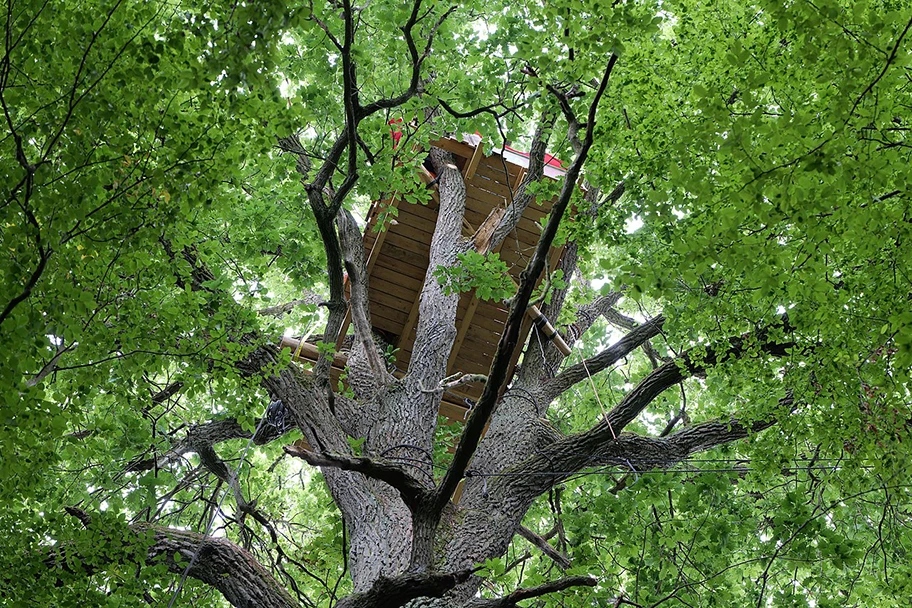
pixel 176 176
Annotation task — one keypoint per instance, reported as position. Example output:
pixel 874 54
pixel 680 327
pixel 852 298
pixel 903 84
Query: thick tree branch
pixel 511 490
pixel 604 359
pixel 435 332
pixel 222 565
pixel 434 337
pixel 218 562
pixel 604 444
pixel 413 493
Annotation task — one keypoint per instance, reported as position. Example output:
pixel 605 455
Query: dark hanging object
pixel 277 415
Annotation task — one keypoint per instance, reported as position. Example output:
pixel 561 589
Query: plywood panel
pixel 394 274
pixel 458 148
pixel 398 247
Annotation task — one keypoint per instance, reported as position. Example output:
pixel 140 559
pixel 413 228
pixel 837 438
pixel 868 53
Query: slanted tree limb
pixel 675 371
pixel 523 196
pixel 359 301
pixel 562 561
pixel 508 341
pixel 413 493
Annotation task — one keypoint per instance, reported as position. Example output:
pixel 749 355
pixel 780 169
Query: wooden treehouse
pixel 397 261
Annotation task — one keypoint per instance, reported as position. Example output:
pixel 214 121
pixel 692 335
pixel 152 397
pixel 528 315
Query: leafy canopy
pixel 763 147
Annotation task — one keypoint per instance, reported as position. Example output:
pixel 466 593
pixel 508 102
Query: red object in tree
pixel 395 133
pixel 549 160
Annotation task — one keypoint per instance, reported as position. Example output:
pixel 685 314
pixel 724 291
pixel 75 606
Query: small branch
pixel 605 359
pixel 457 379
pixel 292 145
pixel 84 518
pixel 562 561
pixel 310 298
pixel 886 66
pixel 51 365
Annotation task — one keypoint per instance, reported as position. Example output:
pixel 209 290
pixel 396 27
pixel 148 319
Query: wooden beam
pixel 519 178
pixel 381 236
pixel 473 163
pixel 463 330
pixel 410 322
pixel 458 148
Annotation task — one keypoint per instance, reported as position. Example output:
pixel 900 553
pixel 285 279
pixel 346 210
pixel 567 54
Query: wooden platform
pixel 397 261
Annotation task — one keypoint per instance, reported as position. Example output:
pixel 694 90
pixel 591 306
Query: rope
pixel 599 400
pixel 591 382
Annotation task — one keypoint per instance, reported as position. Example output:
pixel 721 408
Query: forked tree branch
pixel 319 189
pixel 634 453
pixel 416 85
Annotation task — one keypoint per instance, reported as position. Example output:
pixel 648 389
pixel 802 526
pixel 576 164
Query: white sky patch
pixel 633 223
pixel 483 30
